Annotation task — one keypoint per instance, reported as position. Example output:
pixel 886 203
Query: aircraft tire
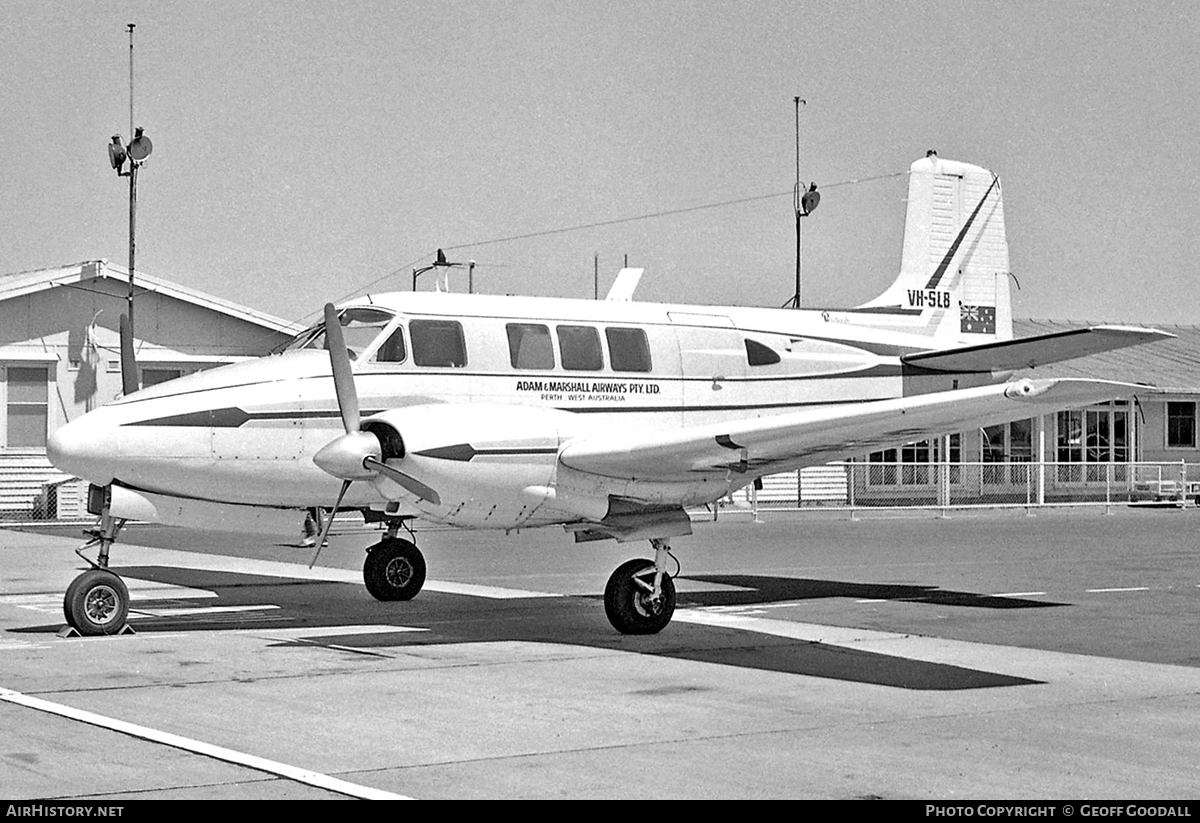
pixel 97 603
pixel 394 570
pixel 630 608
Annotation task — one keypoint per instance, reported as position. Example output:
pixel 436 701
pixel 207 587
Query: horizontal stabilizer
pixel 1030 352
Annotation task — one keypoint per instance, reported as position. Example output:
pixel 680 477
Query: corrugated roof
pixel 1172 365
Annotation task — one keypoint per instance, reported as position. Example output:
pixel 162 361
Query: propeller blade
pixel 343 377
pixel 410 483
pixel 129 375
pixel 329 522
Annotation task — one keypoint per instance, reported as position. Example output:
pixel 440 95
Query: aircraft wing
pixel 813 437
pixel 1038 350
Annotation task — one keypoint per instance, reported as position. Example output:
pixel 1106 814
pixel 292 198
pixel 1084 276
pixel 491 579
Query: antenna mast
pixel 132 185
pixel 798 193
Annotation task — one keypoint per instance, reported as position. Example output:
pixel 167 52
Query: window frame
pixel 423 322
pixel 643 343
pixel 7 403
pixel 562 350
pixel 514 344
pixel 1167 420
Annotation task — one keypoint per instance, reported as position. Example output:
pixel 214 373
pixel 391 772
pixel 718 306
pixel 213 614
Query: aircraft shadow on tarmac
pixel 287 603
pixel 763 589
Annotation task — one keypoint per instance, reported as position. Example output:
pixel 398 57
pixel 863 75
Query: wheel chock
pixel 71 631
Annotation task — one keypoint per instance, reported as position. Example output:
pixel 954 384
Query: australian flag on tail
pixel 977 319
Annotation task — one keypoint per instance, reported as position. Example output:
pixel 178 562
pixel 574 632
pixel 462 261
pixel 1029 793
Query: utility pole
pixel 803 203
pixel 136 152
pixel 132 187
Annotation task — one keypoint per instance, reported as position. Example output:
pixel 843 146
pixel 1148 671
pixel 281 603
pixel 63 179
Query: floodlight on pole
pixel 136 153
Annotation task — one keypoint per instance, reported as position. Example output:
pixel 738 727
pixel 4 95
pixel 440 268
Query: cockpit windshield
pixel 361 326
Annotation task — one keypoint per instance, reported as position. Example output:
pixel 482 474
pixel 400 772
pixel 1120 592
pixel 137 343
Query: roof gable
pixel 18 284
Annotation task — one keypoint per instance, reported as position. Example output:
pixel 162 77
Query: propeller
pixel 357 454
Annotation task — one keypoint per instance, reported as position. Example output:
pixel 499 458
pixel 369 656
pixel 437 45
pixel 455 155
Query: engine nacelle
pixel 476 456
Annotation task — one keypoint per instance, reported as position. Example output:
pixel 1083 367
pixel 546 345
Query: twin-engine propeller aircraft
pixel 608 418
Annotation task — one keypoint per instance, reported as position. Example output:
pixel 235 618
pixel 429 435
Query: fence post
pixel 943 488
pixel 1108 467
pixel 1029 491
pixel 850 469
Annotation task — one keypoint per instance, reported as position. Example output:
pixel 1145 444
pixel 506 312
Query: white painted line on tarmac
pixel 1020 594
pixel 306 776
pixel 811 632
pixel 492 592
pixel 1126 589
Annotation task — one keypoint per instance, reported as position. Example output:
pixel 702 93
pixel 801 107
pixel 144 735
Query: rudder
pixel 954 270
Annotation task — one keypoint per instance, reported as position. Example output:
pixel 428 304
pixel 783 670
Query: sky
pixel 305 151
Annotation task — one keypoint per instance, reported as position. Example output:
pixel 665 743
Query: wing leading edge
pixel 812 437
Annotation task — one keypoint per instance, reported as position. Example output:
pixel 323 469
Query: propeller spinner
pixel 357 454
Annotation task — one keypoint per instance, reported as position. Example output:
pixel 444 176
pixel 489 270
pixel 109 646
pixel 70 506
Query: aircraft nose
pixel 84 448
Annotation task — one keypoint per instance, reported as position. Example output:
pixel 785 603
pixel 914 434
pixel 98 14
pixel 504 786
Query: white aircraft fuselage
pixel 483 432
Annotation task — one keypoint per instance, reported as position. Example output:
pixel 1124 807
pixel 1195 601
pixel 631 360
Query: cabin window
pixel 529 346
pixel 580 348
pixel 1181 425
pixel 393 349
pixel 438 343
pixel 28 406
pixel 628 349
pixel 759 355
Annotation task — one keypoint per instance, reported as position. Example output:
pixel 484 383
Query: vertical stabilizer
pixel 954 272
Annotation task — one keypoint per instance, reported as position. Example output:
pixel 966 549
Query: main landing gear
pixel 97 601
pixel 640 595
pixel 394 568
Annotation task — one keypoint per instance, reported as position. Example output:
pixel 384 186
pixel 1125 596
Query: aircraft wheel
pixel 394 570
pixel 96 603
pixel 629 599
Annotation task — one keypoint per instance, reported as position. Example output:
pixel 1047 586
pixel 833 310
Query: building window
pixel 27 407
pixel 1003 446
pixel 1093 440
pixel 913 464
pixel 1181 425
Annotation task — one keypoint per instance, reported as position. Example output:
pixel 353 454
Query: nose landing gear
pixel 97 601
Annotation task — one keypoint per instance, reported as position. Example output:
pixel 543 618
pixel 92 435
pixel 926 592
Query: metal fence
pixel 863 486
pixel 28 495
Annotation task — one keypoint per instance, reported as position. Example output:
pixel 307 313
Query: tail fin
pixel 953 283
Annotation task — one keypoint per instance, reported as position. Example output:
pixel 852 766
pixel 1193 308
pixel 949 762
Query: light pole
pixel 136 152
